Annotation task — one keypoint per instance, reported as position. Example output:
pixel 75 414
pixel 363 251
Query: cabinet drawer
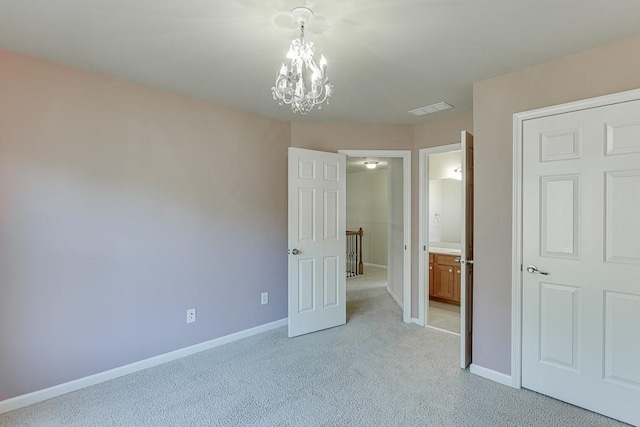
pixel 446 260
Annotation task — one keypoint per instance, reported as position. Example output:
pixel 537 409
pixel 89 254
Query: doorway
pixel 387 243
pixel 445 266
pixel 445 244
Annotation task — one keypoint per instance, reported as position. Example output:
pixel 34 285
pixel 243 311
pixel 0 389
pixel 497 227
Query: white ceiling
pixel 385 56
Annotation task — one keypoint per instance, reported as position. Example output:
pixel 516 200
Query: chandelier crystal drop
pixel 301 82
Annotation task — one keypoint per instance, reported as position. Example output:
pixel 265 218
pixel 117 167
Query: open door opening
pixel 375 214
pixel 386 216
pixel 446 233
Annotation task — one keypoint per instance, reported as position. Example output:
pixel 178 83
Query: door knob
pixel 295 252
pixel 534 270
pixel 457 260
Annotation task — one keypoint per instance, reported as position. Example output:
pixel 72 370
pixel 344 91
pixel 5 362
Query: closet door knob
pixel 534 270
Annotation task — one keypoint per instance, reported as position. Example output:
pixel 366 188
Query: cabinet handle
pixel 450 270
pixel 430 268
pixel 458 271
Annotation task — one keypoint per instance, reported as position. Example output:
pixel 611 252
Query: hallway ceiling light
pixel 371 165
pixel 302 83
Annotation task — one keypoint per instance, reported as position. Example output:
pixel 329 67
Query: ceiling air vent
pixel 430 109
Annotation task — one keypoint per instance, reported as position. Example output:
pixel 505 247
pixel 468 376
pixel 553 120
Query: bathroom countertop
pixel 444 251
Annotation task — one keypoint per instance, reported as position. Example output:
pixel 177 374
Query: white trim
pixel 516 257
pixel 423 230
pixel 416 321
pixel 435 328
pixel 395 297
pixel 405 155
pixel 60 389
pixel 368 264
pixel 492 375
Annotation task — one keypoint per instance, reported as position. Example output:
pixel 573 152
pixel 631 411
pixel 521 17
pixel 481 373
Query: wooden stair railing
pixel 354 263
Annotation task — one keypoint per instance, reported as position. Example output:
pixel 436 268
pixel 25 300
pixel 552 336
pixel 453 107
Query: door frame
pixel 516 233
pixel 405 155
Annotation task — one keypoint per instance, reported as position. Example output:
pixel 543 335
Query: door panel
pixel 317 218
pixel 622 197
pixel 331 281
pixel 621 311
pixel 560 208
pixel 581 308
pixel 559 326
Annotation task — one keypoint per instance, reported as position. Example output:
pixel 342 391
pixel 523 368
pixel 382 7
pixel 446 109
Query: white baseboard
pixel 416 321
pixel 368 264
pixel 60 389
pixel 492 375
pixel 395 297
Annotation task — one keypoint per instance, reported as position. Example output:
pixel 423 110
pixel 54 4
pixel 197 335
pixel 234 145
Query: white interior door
pixel 466 259
pixel 317 230
pixel 581 255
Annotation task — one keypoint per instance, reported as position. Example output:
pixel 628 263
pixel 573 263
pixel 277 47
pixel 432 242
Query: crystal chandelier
pixel 302 83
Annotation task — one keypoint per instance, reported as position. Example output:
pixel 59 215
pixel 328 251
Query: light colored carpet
pixel 444 316
pixel 375 371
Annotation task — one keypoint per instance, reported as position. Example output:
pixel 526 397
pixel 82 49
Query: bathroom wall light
pixel 371 165
pixel 457 174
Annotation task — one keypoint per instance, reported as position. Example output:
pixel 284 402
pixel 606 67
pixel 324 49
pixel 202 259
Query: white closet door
pixel 581 254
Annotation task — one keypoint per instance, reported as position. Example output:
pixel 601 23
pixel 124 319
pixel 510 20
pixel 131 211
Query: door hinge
pixel 405 247
pixel 424 248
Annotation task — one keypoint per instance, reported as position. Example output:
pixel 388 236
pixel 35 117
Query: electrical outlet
pixel 191 315
pixel 264 298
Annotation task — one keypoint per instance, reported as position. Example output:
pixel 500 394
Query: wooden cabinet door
pixel 456 284
pixel 431 280
pixel 444 281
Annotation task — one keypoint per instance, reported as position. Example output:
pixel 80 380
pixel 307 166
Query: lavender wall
pixel 120 208
pixel 609 69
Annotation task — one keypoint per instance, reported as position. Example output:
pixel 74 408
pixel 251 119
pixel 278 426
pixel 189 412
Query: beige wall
pixel 596 72
pixel 443 130
pixel 121 207
pixel 351 136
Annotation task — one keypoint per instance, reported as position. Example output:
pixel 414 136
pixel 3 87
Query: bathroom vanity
pixel 444 275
